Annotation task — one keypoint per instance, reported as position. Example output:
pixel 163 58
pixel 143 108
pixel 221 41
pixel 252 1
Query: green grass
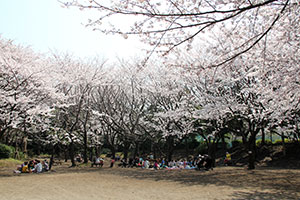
pixel 10 162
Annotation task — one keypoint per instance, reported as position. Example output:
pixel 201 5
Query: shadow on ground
pixel 261 183
pixel 280 183
pixel 263 196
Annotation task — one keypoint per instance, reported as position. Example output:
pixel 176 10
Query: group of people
pixel 97 161
pixel 200 162
pixel 33 166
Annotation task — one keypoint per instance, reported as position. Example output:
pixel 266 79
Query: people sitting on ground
pixel 38 167
pixel 135 162
pixel 141 159
pixel 123 163
pixel 101 162
pixel 227 160
pixel 20 168
pixel 45 166
pixel 138 162
pixel 31 166
pixel 163 163
pixel 156 166
pixel 97 161
pixel 151 156
pixel 208 162
pixel 171 163
pixel 25 168
pixel 146 164
pixel 200 162
pixel 78 158
pixel 117 158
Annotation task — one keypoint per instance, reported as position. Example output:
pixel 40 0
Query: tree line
pixel 241 78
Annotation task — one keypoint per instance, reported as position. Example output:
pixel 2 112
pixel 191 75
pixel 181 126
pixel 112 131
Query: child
pixel 156 165
pixel 112 162
pixel 227 160
pixel 25 168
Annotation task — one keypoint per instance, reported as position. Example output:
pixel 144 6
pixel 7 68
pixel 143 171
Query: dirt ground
pixel 86 183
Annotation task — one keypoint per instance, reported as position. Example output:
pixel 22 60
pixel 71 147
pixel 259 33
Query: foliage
pixel 286 140
pixel 6 151
pixel 259 142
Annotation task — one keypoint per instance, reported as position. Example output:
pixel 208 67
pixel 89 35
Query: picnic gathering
pixel 33 166
pixel 200 162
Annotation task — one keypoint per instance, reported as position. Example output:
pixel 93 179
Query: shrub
pixel 236 143
pixel 286 140
pixel 5 151
pixel 267 142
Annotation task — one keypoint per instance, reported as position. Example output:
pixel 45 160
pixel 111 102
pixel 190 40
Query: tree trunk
pixel 85 148
pixel 244 139
pixel 71 153
pixel 186 144
pixel 283 146
pixel 125 152
pixel 17 150
pixel 113 152
pixel 170 155
pixel 223 143
pixel 136 150
pixel 212 152
pixel 170 148
pixel 66 154
pixel 155 151
pixel 91 153
pixel 52 158
pixel 25 139
pixel 251 152
pixel 2 134
pixel 97 152
pixel 263 137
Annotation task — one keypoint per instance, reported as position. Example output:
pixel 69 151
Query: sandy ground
pixel 85 183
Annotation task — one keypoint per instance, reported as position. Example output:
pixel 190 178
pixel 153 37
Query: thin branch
pixel 150 14
pixel 262 36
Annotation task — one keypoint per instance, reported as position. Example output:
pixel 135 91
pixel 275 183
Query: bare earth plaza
pixel 130 183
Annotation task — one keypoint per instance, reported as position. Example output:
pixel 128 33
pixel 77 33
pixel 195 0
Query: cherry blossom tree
pixel 75 79
pixel 169 116
pixel 122 103
pixel 24 94
pixel 169 24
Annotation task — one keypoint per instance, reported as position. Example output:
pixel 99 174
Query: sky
pixel 46 26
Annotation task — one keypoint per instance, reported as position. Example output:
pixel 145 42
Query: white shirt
pixel 38 168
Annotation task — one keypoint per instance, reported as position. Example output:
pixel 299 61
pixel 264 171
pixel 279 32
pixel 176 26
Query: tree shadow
pixel 261 183
pixel 264 195
pixel 286 183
